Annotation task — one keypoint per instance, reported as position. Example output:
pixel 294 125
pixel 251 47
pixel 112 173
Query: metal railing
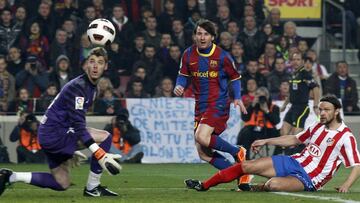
pixel 343 14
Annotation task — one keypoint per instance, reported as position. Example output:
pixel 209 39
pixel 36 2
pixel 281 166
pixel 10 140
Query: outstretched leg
pixel 263 167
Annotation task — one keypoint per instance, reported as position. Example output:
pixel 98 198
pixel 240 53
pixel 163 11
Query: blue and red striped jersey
pixel 210 74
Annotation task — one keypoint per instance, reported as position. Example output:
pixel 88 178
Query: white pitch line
pixel 335 199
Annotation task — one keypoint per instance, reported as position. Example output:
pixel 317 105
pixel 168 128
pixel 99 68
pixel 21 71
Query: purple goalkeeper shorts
pixel 59 144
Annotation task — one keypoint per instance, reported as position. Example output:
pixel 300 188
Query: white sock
pixel 20 176
pixel 93 180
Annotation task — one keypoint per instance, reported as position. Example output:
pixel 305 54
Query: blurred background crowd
pixel 43 44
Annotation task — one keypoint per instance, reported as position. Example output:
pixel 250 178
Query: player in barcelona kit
pixel 328 144
pixel 63 129
pixel 210 69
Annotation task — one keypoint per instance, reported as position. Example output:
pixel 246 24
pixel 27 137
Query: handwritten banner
pixel 167 124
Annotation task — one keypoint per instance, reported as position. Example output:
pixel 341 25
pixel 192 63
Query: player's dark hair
pixel 206 25
pixel 335 102
pixel 99 51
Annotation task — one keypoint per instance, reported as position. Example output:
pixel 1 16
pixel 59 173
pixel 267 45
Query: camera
pixel 262 99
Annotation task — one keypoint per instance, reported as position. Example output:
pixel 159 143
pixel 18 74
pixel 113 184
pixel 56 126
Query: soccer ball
pixel 101 32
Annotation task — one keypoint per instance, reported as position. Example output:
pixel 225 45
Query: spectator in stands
pixel 108 103
pixel 21 16
pixel 146 12
pixel 251 88
pixel 118 63
pixel 7 83
pixel 260 121
pixel 60 46
pixel 308 64
pixel 151 35
pixel 283 93
pixel 70 28
pixel 223 17
pixel 180 36
pixel 137 89
pixel 62 73
pixel 85 47
pixel 9 31
pixel 290 34
pixel 166 88
pixel 344 87
pixel 124 27
pixel 282 47
pixel 190 23
pixel 103 84
pixel 270 35
pixel 249 11
pixel 225 41
pixel 167 16
pixel 139 72
pixel 15 61
pixel 303 46
pixel 28 149
pixel 23 103
pixel 99 8
pixel 33 42
pixel 252 39
pixel 237 53
pixel 163 52
pixel 171 66
pixel 125 138
pixel 90 15
pixel 276 77
pixel 137 50
pixel 267 59
pixel 66 10
pixel 46 20
pixel 191 5
pixel 45 100
pixel 252 71
pixel 32 77
pixel 274 19
pixel 153 68
pixel 234 29
pixel 318 68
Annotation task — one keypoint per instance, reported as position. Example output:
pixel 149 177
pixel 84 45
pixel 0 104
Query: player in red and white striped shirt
pixel 329 143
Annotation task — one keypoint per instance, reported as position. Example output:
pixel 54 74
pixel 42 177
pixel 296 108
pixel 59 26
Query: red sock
pixel 224 176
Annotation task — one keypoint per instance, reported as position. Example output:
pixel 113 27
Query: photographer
pixel 29 150
pixel 126 138
pixel 32 77
pixel 261 120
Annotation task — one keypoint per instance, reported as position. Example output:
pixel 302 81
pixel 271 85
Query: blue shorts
pixel 287 166
pixel 59 144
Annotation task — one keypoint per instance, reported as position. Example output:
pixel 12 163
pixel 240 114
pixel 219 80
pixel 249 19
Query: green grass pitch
pixel 162 183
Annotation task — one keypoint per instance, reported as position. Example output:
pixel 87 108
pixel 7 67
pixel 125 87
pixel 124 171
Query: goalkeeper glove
pixel 109 162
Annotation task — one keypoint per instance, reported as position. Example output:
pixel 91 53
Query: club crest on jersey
pixel 213 74
pixel 213 63
pixel 79 103
pixel 314 150
pixel 330 141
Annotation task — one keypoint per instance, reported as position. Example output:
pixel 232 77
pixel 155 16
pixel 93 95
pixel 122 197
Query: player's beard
pixel 327 123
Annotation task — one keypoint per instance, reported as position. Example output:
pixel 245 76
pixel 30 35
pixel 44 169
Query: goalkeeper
pixel 63 128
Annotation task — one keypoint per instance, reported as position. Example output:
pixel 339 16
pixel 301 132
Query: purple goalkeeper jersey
pixel 67 111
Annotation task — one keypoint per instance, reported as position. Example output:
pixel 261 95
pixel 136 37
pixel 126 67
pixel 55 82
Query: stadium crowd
pixel 43 44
